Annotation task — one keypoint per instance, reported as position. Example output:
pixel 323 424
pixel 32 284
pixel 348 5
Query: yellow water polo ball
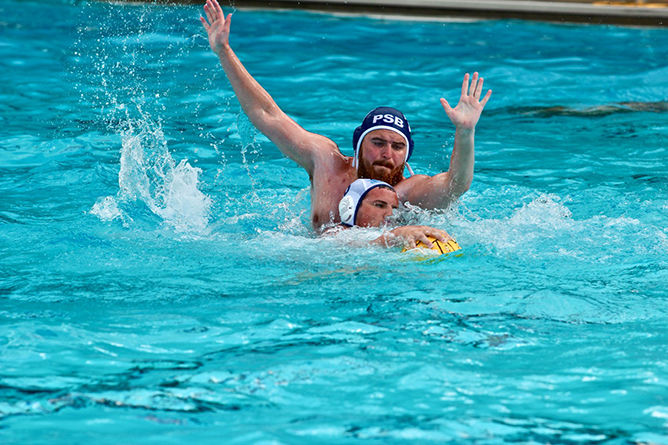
pixel 439 246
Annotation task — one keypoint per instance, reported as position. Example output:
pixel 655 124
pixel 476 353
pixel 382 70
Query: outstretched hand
pixel 467 112
pixel 217 27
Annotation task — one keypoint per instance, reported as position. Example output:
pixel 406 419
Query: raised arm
pixel 294 142
pixel 440 190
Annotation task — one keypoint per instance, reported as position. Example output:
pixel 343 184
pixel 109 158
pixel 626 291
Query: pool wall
pixel 654 13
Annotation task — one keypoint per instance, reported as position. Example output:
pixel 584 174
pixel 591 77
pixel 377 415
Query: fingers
pixel 446 106
pixel 478 89
pixel 440 235
pixel 213 11
pixel 486 98
pixel 465 85
pixel 474 89
pixel 421 233
pixel 209 13
pixel 219 10
pixel 206 25
pixel 422 237
pixel 466 91
pixel 474 84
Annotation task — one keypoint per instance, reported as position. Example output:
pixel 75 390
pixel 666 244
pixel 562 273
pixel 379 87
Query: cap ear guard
pixel 347 211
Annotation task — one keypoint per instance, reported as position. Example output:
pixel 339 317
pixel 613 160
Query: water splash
pixel 113 61
pixel 106 209
pixel 538 226
pixel 149 174
pixel 250 152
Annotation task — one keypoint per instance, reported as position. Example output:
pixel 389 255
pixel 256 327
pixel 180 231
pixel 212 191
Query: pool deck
pixel 639 13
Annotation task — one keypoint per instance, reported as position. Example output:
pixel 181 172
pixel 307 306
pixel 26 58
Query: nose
pixel 385 150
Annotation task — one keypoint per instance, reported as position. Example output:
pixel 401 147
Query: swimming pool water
pixel 160 282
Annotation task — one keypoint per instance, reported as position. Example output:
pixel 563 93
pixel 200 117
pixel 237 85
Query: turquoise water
pixel 160 283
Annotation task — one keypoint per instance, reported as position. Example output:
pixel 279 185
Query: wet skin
pixel 376 207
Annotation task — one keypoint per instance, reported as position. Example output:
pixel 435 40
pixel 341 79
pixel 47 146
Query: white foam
pixel 544 210
pixel 543 217
pixel 107 209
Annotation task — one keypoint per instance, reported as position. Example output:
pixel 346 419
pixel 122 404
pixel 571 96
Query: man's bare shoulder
pixel 328 156
pixel 309 150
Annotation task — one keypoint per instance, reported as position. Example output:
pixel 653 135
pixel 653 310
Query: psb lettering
pixel 389 119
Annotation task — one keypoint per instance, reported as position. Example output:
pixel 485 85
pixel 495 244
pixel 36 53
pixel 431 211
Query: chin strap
pixel 410 170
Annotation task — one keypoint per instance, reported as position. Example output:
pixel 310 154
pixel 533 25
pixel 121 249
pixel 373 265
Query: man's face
pixel 382 155
pixel 376 207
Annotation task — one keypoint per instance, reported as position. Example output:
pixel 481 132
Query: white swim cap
pixel 353 197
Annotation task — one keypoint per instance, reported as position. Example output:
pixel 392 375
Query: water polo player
pixel 370 203
pixel 382 144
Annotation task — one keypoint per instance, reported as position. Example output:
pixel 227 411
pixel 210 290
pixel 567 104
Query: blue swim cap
pixel 353 197
pixel 382 118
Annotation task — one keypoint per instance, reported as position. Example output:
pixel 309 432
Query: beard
pixel 392 177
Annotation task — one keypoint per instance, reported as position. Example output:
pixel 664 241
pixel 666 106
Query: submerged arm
pixel 294 141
